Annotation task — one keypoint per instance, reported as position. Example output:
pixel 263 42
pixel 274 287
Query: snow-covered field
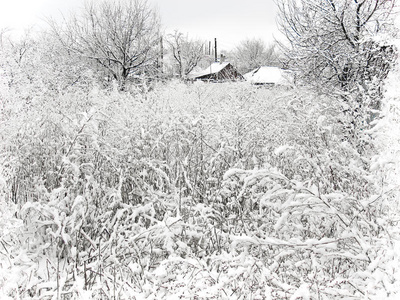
pixel 196 191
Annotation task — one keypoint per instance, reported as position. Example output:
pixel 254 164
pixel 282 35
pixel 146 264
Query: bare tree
pixel 187 52
pixel 330 41
pixel 3 31
pixel 332 46
pixel 253 53
pixel 119 36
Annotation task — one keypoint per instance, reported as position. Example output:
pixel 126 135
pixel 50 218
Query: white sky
pixel 230 21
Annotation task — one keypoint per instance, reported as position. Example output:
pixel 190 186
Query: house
pixel 269 76
pixel 217 72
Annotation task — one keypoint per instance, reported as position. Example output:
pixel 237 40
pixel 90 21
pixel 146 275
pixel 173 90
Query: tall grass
pixel 197 191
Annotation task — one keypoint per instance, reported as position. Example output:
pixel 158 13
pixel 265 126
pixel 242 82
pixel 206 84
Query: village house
pixel 269 76
pixel 217 72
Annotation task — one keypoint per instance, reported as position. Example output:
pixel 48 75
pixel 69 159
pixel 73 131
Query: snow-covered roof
pixel 212 69
pixel 265 75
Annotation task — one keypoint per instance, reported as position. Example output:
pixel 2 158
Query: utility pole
pixel 216 53
pixel 209 48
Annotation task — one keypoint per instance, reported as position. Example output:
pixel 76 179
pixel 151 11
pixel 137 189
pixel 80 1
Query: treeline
pixel 123 42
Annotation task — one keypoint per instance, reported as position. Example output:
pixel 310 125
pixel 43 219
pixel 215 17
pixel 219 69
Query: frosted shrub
pixel 196 190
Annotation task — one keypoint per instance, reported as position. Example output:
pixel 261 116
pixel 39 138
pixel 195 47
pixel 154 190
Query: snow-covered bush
pixel 201 191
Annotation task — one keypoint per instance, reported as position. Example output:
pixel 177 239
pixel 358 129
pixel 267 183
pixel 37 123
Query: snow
pixel 281 149
pixel 232 172
pixel 212 69
pixel 301 293
pixel 165 201
pixel 268 75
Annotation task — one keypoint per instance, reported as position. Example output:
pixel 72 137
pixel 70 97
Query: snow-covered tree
pixel 187 53
pixel 331 41
pixel 331 44
pixel 119 36
pixel 253 53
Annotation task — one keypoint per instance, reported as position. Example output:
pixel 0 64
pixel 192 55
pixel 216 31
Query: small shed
pixel 269 76
pixel 217 72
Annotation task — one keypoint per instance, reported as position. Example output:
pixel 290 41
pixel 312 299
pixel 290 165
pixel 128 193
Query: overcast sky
pixel 230 21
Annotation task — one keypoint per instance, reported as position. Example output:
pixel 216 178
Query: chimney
pixel 222 59
pixel 216 52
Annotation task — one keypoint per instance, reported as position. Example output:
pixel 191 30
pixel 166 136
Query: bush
pixel 198 191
